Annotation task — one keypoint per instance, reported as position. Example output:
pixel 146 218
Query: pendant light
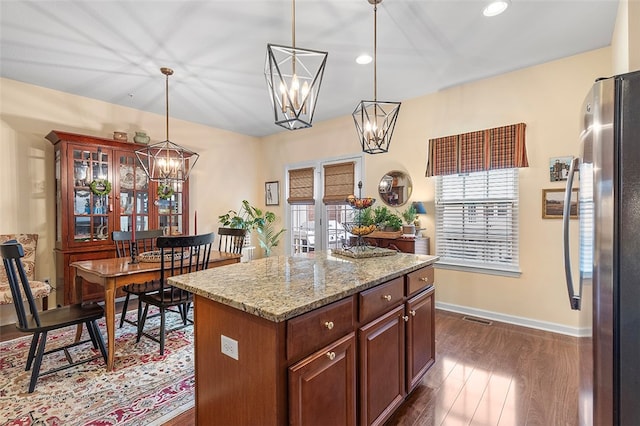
pixel 375 120
pixel 294 76
pixel 166 161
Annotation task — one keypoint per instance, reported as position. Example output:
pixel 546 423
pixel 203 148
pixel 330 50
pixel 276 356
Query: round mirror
pixel 395 188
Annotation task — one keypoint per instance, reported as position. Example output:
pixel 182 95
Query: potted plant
pixel 409 215
pixel 250 218
pixel 386 219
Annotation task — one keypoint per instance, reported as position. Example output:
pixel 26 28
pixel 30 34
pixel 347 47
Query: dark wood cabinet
pixel 420 336
pixel 98 183
pixel 322 387
pixel 352 361
pixel 405 245
pixel 382 370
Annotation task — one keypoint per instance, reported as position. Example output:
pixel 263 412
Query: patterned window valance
pixel 497 148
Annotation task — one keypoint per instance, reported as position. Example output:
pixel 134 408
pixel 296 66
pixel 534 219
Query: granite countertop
pixel 281 287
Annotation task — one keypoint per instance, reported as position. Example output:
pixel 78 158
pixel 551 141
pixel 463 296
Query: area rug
pixel 144 389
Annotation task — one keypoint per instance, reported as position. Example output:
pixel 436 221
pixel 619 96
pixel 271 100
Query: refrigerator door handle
pixel 574 299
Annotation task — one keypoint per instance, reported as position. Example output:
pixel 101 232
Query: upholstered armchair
pixel 40 289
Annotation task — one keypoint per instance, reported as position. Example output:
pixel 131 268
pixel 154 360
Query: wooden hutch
pixel 98 183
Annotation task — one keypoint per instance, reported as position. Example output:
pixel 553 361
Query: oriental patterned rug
pixel 144 389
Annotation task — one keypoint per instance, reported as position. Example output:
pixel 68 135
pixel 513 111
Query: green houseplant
pixel 386 219
pixel 409 215
pixel 252 218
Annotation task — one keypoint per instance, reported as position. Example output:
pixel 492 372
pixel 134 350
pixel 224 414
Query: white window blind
pixel 477 220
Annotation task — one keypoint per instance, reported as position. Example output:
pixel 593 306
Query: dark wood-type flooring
pixel 496 374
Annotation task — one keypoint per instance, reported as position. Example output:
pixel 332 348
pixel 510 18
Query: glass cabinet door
pixel 170 204
pixel 134 193
pixel 91 188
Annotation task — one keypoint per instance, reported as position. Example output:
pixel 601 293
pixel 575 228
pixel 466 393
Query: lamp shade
pixel 419 206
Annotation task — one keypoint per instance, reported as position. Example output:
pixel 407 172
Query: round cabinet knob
pixel 405 318
pixel 425 279
pixel 331 355
pixel 329 324
pixel 413 313
pixel 387 297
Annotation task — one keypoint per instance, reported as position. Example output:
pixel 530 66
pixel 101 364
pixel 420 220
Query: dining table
pixel 114 273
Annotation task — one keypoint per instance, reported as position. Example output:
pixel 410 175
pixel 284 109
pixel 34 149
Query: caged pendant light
pixel 375 120
pixel 294 76
pixel 166 161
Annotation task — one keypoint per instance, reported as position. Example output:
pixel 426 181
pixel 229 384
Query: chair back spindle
pixel 231 240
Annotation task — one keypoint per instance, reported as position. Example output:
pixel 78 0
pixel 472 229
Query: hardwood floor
pixel 496 374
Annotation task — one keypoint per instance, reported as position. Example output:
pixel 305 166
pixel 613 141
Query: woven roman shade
pixel 339 182
pixel 301 186
pixel 498 148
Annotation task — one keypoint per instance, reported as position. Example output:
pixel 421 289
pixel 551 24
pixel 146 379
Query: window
pixel 477 221
pixel 320 225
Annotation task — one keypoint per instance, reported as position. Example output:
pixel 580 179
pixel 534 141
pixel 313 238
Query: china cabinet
pixel 101 188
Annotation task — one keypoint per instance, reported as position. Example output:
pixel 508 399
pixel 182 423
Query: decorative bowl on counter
pixel 360 203
pixel 359 230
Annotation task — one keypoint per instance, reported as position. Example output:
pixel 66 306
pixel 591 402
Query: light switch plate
pixel 229 346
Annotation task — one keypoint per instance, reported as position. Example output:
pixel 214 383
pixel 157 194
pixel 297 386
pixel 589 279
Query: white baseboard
pixel 510 319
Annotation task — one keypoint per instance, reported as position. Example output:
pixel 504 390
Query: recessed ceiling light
pixel 496 7
pixel 364 59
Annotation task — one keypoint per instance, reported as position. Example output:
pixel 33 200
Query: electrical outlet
pixel 229 346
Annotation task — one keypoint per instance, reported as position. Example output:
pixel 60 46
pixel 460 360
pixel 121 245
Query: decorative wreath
pixel 165 191
pixel 100 186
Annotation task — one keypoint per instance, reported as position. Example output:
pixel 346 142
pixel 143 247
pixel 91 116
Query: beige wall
pixel 547 98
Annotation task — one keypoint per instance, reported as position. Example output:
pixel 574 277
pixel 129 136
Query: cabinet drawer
pixel 417 280
pixel 313 330
pixel 378 300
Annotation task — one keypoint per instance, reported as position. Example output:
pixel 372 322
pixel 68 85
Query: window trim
pixel 470 265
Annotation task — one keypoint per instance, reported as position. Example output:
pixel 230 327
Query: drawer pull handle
pixel 405 318
pixel 413 313
pixel 425 279
pixel 331 355
pixel 329 324
pixel 387 297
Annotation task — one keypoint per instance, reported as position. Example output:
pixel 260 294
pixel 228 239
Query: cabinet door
pixel 132 196
pixel 382 369
pixel 322 387
pixel 172 207
pixel 421 342
pixel 89 209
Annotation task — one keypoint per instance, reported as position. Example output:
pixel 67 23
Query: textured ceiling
pixel 113 50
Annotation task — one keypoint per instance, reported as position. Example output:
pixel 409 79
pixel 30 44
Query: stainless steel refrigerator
pixel 608 291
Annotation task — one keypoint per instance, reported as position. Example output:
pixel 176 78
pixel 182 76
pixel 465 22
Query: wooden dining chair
pixel 40 323
pixel 145 241
pixel 178 255
pixel 231 240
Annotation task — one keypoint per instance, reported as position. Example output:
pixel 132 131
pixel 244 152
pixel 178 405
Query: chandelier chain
pixel 375 52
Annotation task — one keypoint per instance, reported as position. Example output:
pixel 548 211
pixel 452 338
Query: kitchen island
pixel 310 339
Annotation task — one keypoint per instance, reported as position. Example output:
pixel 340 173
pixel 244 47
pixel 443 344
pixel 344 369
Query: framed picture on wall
pixel 553 203
pixel 559 168
pixel 272 193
